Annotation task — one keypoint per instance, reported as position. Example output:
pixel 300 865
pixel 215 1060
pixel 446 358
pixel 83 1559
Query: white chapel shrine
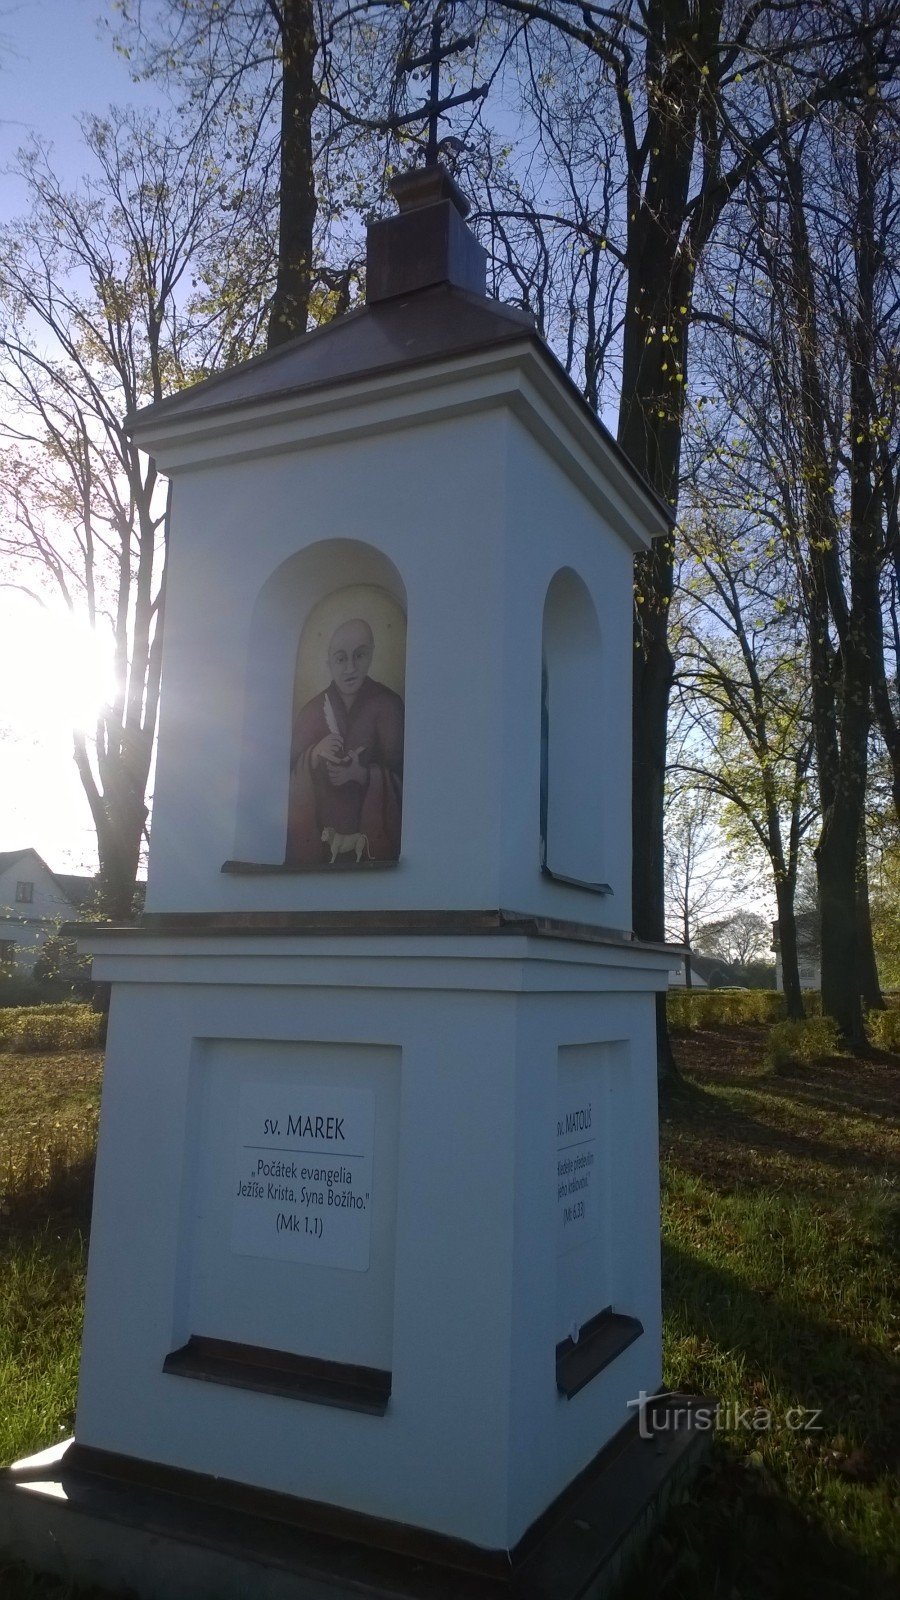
pixel 375 1251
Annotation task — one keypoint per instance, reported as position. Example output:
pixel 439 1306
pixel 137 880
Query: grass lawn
pixel 780 1251
pixel 48 1131
pixel 781 1265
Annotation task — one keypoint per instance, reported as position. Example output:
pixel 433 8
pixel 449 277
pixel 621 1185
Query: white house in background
pixel 33 901
pixel 707 972
pixel 677 978
pixel 809 951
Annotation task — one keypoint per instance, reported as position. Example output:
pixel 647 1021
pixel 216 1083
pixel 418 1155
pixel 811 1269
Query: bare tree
pixel 742 938
pixel 300 91
pixel 682 82
pixel 811 326
pixel 695 888
pixel 741 686
pixel 685 85
pixel 692 97
pixel 105 304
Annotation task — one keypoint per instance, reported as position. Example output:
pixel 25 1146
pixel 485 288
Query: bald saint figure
pixel 347 762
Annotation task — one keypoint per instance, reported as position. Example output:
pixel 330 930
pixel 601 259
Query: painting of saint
pixel 347 761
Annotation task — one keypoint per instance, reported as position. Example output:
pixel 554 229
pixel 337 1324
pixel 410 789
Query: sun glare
pixel 57 671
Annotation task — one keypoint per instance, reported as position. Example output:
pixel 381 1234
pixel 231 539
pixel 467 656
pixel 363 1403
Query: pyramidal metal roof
pixel 426 303
pixel 426 325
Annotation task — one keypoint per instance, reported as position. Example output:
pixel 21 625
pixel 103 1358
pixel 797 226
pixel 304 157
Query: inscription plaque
pixel 577 1212
pixel 303 1180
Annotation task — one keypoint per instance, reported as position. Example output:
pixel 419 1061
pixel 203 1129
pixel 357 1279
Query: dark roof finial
pixel 428 243
pixel 434 106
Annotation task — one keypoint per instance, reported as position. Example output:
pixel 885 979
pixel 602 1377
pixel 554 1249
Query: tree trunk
pixel 651 415
pixel 840 680
pixel 297 196
pixel 119 836
pixel 836 876
pixel 837 853
pixel 686 941
pixel 787 940
pixel 653 676
pixel 120 849
pixel 869 982
pixel 842 845
pixel 666 1066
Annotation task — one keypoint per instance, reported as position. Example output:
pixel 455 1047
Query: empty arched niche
pixel 572 765
pixel 343 588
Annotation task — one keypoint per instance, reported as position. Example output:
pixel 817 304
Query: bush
pixel 792 1043
pixel 17 990
pixel 70 1026
pixel 884 1029
pixel 707 1008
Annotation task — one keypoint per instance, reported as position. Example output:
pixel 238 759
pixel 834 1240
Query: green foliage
pixel 48 1132
pixel 59 962
pixel 43 987
pixel 796 1043
pixel 710 1008
pixel 69 1026
pixel 884 1029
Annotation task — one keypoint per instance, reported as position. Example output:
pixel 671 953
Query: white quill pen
pixel 330 718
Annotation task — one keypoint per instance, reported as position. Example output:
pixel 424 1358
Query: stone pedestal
pixel 361 1197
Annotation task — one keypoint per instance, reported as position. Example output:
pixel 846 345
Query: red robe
pixel 375 722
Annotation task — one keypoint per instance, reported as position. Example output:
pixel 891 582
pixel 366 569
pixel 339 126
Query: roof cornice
pixel 521 375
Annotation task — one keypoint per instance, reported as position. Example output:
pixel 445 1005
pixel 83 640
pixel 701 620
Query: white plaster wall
pixel 431 499
pixel 552 1438
pixel 473 518
pixel 550 525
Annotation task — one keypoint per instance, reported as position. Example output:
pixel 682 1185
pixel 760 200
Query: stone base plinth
pixel 191 1538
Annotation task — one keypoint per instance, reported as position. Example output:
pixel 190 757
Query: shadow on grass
pixel 64 1201
pixel 844 1085
pixel 869 1086
pixel 738 1534
pixel 714 1138
pixel 738 1538
pixel 814 1364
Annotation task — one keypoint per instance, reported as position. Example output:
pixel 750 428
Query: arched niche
pixel 289 598
pixel 572 759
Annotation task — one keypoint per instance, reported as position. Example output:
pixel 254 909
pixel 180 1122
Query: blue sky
pixel 56 61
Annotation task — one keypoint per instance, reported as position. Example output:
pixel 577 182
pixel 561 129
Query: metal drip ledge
pixel 600 1341
pixel 310 1378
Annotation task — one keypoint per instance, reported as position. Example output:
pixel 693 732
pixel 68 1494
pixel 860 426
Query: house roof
pixel 8 858
pixel 712 968
pixel 76 888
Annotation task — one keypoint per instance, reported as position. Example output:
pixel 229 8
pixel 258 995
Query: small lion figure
pixel 342 844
